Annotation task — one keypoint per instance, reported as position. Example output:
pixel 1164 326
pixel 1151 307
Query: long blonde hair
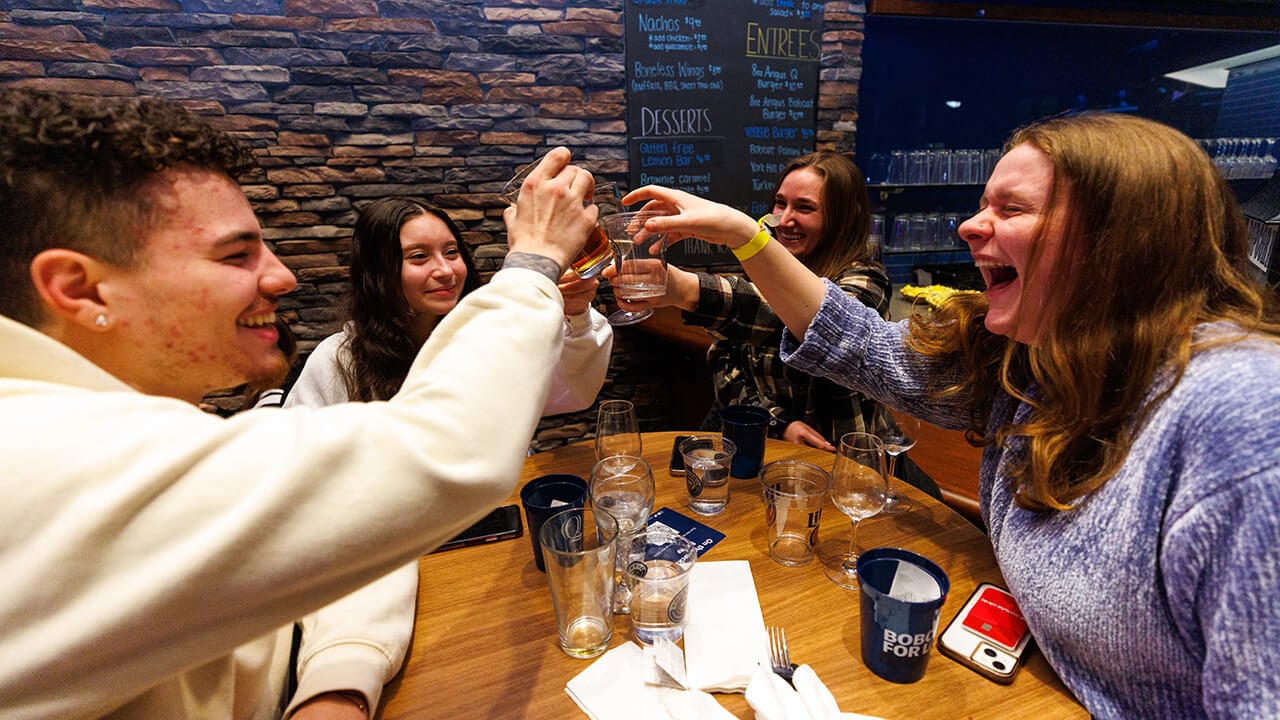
pixel 1155 244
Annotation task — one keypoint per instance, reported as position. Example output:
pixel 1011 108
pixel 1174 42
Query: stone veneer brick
pixel 345 101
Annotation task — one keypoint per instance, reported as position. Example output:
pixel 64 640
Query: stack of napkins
pixel 614 688
pixel 724 641
pixel 725 638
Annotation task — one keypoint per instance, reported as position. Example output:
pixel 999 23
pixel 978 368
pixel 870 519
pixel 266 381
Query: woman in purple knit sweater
pixel 1122 373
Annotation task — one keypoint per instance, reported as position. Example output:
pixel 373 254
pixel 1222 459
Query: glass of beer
pixel 596 253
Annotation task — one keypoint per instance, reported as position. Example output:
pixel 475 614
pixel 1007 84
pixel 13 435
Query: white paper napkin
pixel 613 688
pixel 724 639
pixel 773 699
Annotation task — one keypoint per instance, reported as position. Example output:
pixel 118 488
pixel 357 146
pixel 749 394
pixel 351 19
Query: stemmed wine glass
pixel 857 490
pixel 617 430
pixel 898 431
pixel 622 486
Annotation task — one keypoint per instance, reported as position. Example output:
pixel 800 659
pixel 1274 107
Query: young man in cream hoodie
pixel 156 557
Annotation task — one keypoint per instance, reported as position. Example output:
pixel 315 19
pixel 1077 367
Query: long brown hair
pixel 846 212
pixel 1154 243
pixel 380 342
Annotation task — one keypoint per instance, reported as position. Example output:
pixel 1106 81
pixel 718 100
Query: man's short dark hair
pixel 73 174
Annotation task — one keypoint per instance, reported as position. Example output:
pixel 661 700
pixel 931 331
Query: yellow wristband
pixel 748 250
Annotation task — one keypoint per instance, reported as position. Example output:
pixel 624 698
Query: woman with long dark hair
pixel 409 267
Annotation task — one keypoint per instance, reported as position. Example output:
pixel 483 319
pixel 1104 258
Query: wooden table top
pixel 485 645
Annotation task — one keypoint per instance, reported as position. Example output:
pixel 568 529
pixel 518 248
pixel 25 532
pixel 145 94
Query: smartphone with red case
pixel 988 635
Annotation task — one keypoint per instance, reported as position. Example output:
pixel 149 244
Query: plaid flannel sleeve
pixel 731 308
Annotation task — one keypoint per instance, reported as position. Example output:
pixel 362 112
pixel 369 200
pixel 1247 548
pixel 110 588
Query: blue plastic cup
pixel 902 596
pixel 748 427
pixel 545 496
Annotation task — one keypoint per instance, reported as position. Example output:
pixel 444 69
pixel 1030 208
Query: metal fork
pixel 779 656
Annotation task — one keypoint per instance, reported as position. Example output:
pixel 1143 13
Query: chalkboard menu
pixel 720 97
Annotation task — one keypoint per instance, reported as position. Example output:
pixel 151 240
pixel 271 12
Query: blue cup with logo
pixel 902 596
pixel 748 427
pixel 545 496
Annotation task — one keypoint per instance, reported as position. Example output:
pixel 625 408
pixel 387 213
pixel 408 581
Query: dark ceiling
pixel 1222 14
pixel 1004 74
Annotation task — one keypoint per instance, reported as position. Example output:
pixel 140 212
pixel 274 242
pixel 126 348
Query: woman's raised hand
pixel 693 216
pixel 682 291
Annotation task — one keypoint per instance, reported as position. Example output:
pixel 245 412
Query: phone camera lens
pixel 997 665
pixel 989 652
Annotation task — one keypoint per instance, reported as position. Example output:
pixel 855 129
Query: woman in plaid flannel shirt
pixel 824 219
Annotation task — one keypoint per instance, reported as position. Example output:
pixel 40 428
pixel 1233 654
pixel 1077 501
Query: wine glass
pixel 857 490
pixel 898 431
pixel 622 486
pixel 617 430
pixel 641 259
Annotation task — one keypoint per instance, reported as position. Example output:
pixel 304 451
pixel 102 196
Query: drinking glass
pixel 917 232
pixel 622 486
pixel 876 238
pixel 918 167
pixel 940 167
pixel 898 431
pixel 596 252
pixel 933 232
pixel 857 490
pixel 951 231
pixel 658 564
pixel 707 464
pixel 900 236
pixel 641 259
pixel 617 430
pixel 579 550
pixel 1269 163
pixel 977 167
pixel 961 167
pixel 897 167
pixel 878 169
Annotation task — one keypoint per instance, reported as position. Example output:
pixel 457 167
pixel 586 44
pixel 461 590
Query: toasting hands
pixel 551 216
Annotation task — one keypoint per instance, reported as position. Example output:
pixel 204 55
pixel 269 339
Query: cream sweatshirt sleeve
pixel 143 536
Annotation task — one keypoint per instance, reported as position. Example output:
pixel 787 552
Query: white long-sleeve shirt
pixel 575 382
pixel 154 555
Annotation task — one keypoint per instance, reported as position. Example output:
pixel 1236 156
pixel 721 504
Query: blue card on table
pixel 705 537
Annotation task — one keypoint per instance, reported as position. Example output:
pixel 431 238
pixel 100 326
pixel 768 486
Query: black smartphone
pixel 988 635
pixel 677 460
pixel 500 524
